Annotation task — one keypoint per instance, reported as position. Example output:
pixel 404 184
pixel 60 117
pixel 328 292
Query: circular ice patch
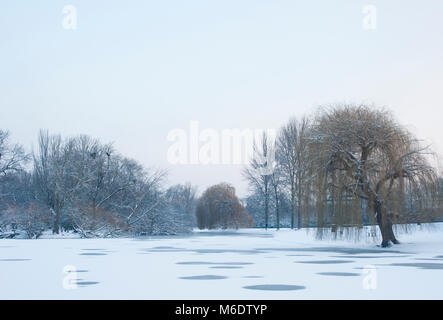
pixel 275 287
pixel 204 277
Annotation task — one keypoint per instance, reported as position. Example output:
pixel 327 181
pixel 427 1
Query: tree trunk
pixel 56 226
pixel 277 211
pixel 299 215
pixel 292 206
pixel 385 225
pixel 299 200
pixel 266 210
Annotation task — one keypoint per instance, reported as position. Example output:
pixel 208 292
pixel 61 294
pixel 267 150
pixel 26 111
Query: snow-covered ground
pixel 243 264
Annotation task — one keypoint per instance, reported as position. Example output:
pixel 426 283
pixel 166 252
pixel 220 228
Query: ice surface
pixel 223 265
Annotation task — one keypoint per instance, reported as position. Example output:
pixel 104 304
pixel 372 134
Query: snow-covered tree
pixel 12 156
pixel 182 202
pixel 90 188
pixel 259 172
pixel 54 177
pixel 254 205
pixel 361 153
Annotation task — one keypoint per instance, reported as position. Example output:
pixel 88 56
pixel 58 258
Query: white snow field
pixel 243 264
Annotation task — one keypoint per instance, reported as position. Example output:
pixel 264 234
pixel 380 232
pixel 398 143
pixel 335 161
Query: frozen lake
pixel 244 264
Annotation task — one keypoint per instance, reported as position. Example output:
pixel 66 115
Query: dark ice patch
pixel 86 283
pixel 326 261
pixel 204 277
pixel 11 260
pixel 214 263
pixel 275 287
pixel 166 247
pixel 228 251
pixel 420 265
pixel 370 257
pixel 339 274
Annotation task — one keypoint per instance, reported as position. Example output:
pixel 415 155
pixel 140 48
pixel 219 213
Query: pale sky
pixel 132 71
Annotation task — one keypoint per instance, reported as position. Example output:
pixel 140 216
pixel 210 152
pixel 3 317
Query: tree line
pixel 82 185
pixel 342 168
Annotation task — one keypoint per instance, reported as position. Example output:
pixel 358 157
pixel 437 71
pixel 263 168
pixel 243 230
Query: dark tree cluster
pixel 82 185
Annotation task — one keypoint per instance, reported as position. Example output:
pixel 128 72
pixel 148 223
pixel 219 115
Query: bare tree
pixel 260 170
pixel 182 202
pixel 115 194
pixel 293 161
pixel 276 182
pixel 361 152
pixel 51 174
pixel 79 175
pixel 142 203
pixel 12 157
pixel 80 184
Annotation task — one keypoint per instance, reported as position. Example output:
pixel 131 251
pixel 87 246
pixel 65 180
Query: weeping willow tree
pixel 363 160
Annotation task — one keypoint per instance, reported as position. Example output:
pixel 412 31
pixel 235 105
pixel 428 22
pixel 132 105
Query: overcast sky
pixel 132 71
